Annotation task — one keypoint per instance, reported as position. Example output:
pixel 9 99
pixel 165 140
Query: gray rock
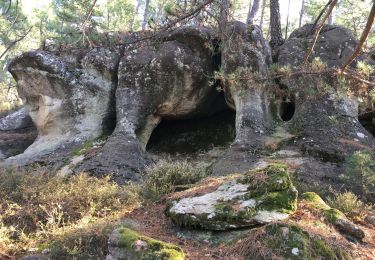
pixel 168 80
pixel 18 119
pixel 259 197
pixel 334 45
pixel 245 52
pixel 68 103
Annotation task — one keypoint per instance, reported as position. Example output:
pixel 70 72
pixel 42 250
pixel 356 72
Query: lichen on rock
pixel 260 196
pixel 125 243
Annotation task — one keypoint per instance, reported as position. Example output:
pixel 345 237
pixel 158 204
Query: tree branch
pixel 10 46
pixel 363 38
pixel 317 31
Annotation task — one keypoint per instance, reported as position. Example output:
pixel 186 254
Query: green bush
pixel 164 177
pixel 361 167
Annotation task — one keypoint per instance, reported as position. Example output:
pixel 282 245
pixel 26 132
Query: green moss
pixel 155 249
pixel 283 238
pixel 322 249
pixel 284 242
pixel 87 145
pixel 314 201
pixel 332 215
pixel 281 201
pixel 274 177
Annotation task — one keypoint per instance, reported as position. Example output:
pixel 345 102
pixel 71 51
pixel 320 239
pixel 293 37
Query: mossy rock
pixel 333 216
pixel 257 197
pixel 289 241
pixel 125 243
pixel 314 201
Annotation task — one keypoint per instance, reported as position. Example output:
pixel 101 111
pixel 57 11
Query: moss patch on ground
pixel 290 241
pixel 143 247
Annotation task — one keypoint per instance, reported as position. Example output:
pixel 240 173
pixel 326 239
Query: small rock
pixel 295 251
pixel 370 219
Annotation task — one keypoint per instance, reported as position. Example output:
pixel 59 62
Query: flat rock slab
pixel 258 197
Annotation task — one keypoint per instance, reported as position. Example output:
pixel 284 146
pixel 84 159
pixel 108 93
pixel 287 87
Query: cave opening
pixel 192 136
pixel 287 108
pixel 367 120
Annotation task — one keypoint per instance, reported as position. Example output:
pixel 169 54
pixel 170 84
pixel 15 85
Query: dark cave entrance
pixel 196 135
pixel 192 136
pixel 368 122
pixel 287 108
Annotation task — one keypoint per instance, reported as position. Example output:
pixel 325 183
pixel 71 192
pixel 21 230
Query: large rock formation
pixel 69 103
pixel 170 79
pixel 244 53
pixel 307 119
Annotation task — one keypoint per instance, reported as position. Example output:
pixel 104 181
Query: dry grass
pixel 165 177
pixel 38 207
pixel 349 204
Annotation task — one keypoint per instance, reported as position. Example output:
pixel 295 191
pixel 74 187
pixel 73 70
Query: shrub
pixel 349 204
pixel 361 167
pixel 164 177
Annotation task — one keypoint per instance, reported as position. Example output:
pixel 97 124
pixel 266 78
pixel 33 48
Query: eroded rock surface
pixel 258 197
pixel 168 80
pixel 68 103
pixel 334 45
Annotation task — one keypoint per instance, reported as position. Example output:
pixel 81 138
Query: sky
pixel 295 6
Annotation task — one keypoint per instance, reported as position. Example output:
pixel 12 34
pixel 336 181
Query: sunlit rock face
pixel 68 103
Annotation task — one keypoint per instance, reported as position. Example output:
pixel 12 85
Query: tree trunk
pixel 253 10
pixel 145 15
pixel 330 19
pixel 135 18
pixel 262 14
pixel 275 25
pixel 224 15
pixel 301 13
pixel 287 21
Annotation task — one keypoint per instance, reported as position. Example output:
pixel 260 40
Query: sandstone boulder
pixel 258 197
pixel 68 103
pixel 167 80
pixel 334 45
